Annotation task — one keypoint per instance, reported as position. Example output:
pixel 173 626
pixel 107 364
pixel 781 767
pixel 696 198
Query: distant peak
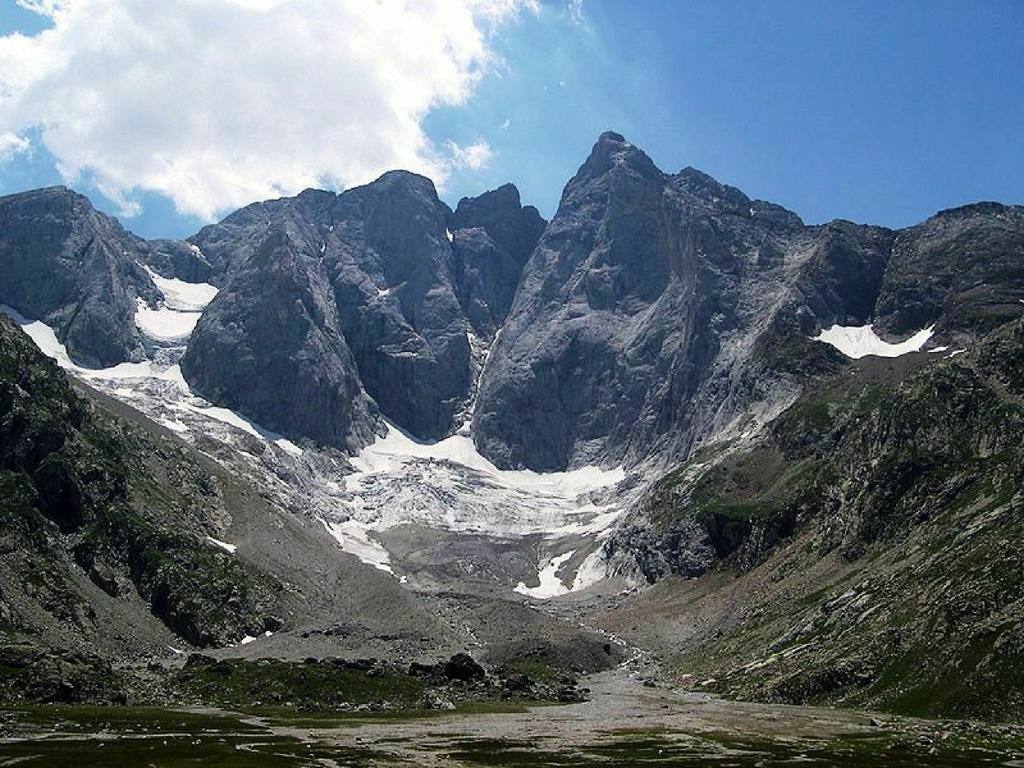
pixel 611 150
pixel 983 208
pixel 406 179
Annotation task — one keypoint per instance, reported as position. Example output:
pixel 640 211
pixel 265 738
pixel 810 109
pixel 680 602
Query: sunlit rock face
pixel 643 291
pixel 346 305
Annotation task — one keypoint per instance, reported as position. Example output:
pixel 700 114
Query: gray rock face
pixel 75 269
pixel 621 311
pixel 282 359
pixel 494 236
pixel 384 297
pixel 661 310
pixel 962 269
pixel 181 260
pixel 654 313
pixel 392 269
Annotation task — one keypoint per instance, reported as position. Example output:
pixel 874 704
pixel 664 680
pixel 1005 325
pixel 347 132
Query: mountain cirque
pixel 664 327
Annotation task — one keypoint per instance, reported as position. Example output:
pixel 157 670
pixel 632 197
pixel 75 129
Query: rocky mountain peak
pixel 76 269
pixel 612 151
pixel 507 222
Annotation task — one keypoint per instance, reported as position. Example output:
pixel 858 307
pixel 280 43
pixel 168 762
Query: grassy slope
pixel 104 525
pixel 876 536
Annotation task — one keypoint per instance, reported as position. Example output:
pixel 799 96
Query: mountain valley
pixel 674 431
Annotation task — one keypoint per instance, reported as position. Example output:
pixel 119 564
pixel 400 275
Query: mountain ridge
pixel 772 501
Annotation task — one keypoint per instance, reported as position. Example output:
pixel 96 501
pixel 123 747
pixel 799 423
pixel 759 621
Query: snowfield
pixel 179 312
pixel 449 486
pixel 860 341
pixel 398 480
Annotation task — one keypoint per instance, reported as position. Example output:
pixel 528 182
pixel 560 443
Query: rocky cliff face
pixel 655 313
pixel 104 527
pixel 873 535
pixel 637 319
pixel 662 311
pixel 77 270
pixel 374 298
pixel 271 346
pixel 493 237
pixel 962 268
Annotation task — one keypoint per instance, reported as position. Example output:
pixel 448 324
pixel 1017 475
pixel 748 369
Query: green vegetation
pixel 316 686
pixel 898 494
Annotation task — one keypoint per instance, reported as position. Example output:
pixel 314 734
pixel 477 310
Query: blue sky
pixel 879 112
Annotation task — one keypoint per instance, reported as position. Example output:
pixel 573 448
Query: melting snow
pixel 229 548
pixel 177 316
pixel 448 485
pixel 857 342
pixel 550 585
pixel 179 397
pixel 354 538
pixel 252 639
pixel 449 235
pixel 165 323
pixel 182 296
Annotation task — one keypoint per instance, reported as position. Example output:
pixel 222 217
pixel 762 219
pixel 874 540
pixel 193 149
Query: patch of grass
pixel 320 687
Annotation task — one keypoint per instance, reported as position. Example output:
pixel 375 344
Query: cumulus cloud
pixel 472 156
pixel 216 103
pixel 11 145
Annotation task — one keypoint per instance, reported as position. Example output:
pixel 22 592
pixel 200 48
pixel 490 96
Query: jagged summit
pixel 733 391
pixel 640 321
pixel 612 150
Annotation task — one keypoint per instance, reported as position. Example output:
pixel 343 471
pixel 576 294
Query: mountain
pixel 107 530
pixel 660 312
pixel 374 299
pixel 781 456
pixel 873 530
pixel 64 263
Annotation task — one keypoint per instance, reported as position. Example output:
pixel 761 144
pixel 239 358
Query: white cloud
pixel 576 11
pixel 216 103
pixel 11 145
pixel 473 156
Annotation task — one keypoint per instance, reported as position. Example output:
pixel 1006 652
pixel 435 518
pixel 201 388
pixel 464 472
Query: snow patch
pixel 550 585
pixel 163 323
pixel 861 341
pixel 179 397
pixel 354 538
pixel 449 235
pixel 253 638
pixel 181 296
pixel 229 548
pixel 449 485
pixel 178 313
pixel 389 452
pixel 239 421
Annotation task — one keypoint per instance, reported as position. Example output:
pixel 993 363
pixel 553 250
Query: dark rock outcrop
pixel 494 236
pixel 270 347
pixel 64 263
pixel 87 498
pixel 369 298
pixel 962 270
